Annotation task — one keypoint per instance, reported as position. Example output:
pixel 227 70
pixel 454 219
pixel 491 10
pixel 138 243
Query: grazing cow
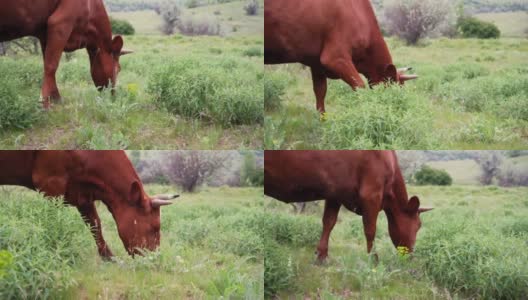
pixel 85 176
pixel 65 25
pixel 364 182
pixel 336 39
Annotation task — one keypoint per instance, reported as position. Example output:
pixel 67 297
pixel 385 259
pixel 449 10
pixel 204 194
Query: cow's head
pixel 404 226
pixel 138 219
pixel 390 73
pixel 104 63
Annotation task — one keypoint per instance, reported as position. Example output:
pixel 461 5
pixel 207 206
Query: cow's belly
pixel 292 193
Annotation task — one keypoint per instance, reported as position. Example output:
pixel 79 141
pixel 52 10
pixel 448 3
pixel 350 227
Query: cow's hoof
pixel 323 117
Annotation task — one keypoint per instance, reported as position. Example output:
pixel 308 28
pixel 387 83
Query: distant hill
pixel 481 6
pixel 135 5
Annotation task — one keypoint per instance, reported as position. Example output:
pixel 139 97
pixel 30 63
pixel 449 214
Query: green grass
pixel 471 94
pixel 511 24
pixel 133 119
pixel 469 247
pixel 208 250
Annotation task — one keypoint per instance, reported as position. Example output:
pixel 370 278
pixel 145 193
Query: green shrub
pixel 251 174
pixel 122 27
pixel 481 261
pixel 430 176
pixel 275 84
pixel 45 241
pixel 471 27
pixel 223 91
pixel 20 108
pixel 378 118
pixel 279 271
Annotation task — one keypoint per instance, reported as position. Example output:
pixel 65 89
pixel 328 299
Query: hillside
pixel 480 6
pixel 231 17
pixel 511 24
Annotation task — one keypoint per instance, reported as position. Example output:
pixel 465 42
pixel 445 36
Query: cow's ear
pixel 117 45
pixel 136 196
pixel 413 205
pixel 391 72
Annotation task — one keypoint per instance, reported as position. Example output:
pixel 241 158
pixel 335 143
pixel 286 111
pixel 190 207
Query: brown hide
pixel 336 39
pixel 64 25
pixel 364 182
pixel 83 177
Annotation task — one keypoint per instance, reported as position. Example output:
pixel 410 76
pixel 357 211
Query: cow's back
pixel 20 18
pixel 296 31
pixel 299 176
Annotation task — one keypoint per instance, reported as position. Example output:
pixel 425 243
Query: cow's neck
pixel 375 60
pixel 396 204
pixel 96 34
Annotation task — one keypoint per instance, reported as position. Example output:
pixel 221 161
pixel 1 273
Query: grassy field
pixel 209 250
pixel 511 24
pixel 466 172
pixel 231 16
pixel 470 246
pixel 173 93
pixel 471 94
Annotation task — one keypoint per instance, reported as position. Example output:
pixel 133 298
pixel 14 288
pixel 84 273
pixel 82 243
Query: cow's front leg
pixel 319 87
pixel 90 216
pixel 331 211
pixel 58 32
pixel 339 62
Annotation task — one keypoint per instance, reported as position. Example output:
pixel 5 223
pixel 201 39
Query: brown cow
pixel 364 182
pixel 65 25
pixel 85 176
pixel 336 39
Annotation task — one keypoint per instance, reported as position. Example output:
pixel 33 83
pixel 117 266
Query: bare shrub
pixel 413 20
pixel 410 162
pixel 199 26
pixel 490 164
pixel 190 169
pixel 170 12
pixel 251 7
pixel 511 176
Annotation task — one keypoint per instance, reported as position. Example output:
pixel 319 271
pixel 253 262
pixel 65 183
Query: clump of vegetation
pixel 251 7
pixel 413 20
pixel 471 27
pixel 480 261
pixel 122 27
pixel 430 176
pixel 199 88
pixel 44 241
pixel 199 26
pixel 383 117
pixel 20 109
pixel 170 12
pixel 279 269
pixel 251 174
pixel 275 84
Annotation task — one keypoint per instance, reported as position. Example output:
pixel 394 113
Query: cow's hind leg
pixel 58 33
pixel 331 211
pixel 319 87
pixel 90 216
pixel 339 62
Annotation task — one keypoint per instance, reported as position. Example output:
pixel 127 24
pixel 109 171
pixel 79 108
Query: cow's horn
pixel 158 202
pixel 424 209
pixel 166 196
pixel 408 77
pixel 125 52
pixel 403 70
